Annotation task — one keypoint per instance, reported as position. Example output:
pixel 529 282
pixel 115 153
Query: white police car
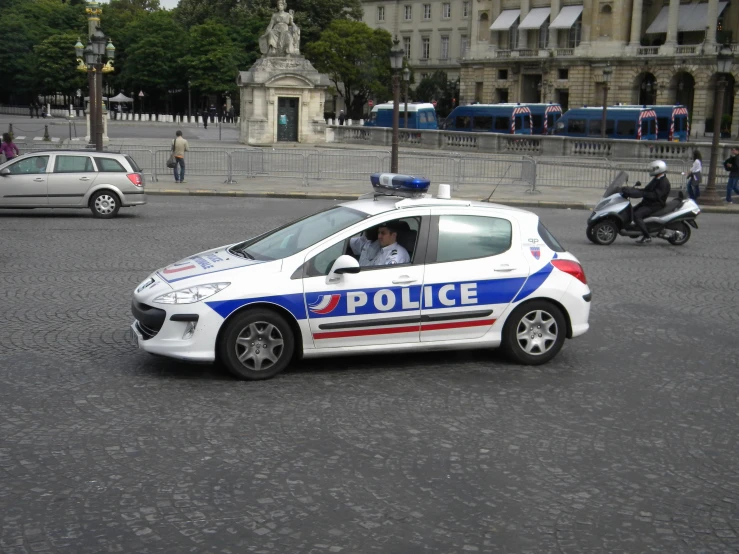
pixel 480 275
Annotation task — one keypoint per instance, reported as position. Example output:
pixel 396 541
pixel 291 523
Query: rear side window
pixel 109 165
pixel 133 163
pixel 467 237
pixel 549 239
pixel 482 122
pixel 73 164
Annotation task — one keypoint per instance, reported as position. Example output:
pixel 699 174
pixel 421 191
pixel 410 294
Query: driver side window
pixel 30 166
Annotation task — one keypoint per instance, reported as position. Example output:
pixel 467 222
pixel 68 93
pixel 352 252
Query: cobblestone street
pixel 625 443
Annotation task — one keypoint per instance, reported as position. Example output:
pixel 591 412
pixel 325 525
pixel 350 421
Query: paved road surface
pixel 626 443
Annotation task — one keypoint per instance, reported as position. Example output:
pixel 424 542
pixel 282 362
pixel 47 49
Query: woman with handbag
pixel 694 177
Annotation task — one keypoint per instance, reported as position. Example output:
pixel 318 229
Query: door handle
pixel 404 280
pixel 39 179
pixel 504 268
pixel 84 178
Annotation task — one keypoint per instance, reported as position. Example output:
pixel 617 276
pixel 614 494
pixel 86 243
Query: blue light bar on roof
pixel 393 184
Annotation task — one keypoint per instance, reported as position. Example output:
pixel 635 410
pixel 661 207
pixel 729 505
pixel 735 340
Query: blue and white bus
pixel 673 121
pixel 513 119
pixel 420 116
pixel 622 122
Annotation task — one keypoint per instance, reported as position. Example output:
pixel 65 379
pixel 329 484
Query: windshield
pixel 298 235
pixel 621 179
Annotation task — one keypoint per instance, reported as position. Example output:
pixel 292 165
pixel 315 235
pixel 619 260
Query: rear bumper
pixel 133 199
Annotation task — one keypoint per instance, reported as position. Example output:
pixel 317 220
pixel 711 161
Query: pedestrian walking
pixel 342 117
pixel 43 112
pixel 30 109
pixel 731 164
pixel 213 113
pixel 179 147
pixel 7 148
pixel 231 113
pixel 204 114
pixel 694 176
pixel 224 113
pixel 37 107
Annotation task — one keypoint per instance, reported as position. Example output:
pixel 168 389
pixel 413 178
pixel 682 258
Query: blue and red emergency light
pixel 393 184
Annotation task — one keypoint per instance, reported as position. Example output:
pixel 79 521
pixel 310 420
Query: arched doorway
pixel 646 89
pixel 683 89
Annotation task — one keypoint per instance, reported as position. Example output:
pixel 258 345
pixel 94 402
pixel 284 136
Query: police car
pixel 479 275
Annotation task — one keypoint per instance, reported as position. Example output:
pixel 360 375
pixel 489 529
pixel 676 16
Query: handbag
pixel 171 162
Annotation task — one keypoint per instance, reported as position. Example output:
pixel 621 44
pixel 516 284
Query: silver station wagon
pixel 101 181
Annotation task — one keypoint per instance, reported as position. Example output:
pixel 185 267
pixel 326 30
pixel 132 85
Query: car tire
pixel 104 204
pixel 684 228
pixel 534 333
pixel 605 232
pixel 589 234
pixel 256 344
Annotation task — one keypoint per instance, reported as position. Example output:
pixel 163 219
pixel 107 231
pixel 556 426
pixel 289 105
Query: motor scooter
pixel 614 215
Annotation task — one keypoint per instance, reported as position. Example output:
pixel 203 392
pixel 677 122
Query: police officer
pixel 383 251
pixel 654 197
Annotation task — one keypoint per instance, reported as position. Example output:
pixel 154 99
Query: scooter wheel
pixel 604 232
pixel 683 230
pixel 589 234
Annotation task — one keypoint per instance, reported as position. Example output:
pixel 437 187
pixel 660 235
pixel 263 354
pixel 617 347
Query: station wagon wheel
pixel 104 204
pixel 534 333
pixel 257 344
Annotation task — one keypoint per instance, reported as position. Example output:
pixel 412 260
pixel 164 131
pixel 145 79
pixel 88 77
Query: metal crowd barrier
pixel 199 162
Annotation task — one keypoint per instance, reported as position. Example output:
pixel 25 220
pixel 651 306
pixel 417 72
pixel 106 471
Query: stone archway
pixel 682 89
pixel 644 89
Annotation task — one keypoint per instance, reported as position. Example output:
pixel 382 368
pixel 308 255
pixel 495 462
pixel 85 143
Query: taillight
pixel 571 268
pixel 135 178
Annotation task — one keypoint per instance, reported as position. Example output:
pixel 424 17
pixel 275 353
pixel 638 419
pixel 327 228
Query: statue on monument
pixel 282 37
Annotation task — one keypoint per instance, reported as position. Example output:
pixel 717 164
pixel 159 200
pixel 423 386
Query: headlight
pixel 190 295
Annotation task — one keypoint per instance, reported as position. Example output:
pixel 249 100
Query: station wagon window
pixel 73 164
pixel 502 124
pixel 576 126
pixel 109 165
pixel 467 237
pixel 462 122
pixel 482 122
pixel 626 128
pixel 29 166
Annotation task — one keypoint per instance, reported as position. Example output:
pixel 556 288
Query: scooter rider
pixel 654 197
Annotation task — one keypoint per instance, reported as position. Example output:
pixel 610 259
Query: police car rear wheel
pixel 257 344
pixel 534 333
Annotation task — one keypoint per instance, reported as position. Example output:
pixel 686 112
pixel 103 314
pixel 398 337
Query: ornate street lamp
pixel 607 72
pixel 396 64
pixel 724 59
pixel 406 80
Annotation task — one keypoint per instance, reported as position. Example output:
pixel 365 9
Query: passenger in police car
pixel 383 251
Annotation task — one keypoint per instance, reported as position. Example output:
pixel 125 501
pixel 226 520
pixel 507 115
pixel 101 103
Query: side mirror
pixel 4 172
pixel 343 264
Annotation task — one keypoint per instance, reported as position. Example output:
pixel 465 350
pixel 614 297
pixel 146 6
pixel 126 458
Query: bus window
pixel 576 126
pixel 538 120
pixel 678 124
pixel 523 122
pixel 645 128
pixel 463 122
pixel 421 117
pixel 502 124
pixel 482 123
pixel 594 127
pixel 626 128
pixel 373 117
pixel 550 121
pixel 663 124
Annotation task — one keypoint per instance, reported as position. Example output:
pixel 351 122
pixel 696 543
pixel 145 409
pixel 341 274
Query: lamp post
pixel 396 64
pixel 406 80
pixel 607 72
pixel 90 59
pixel 724 60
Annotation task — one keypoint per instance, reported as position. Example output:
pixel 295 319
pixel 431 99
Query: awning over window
pixel 505 20
pixel 566 17
pixel 691 17
pixel 535 18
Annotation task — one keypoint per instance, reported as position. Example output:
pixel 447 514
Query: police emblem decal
pixel 535 251
pixel 325 304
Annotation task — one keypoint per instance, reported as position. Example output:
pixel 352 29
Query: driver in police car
pixel 383 251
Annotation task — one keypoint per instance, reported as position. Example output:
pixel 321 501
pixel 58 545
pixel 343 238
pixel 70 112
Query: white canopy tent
pixel 120 97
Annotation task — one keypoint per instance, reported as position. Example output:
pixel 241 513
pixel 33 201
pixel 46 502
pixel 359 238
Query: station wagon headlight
pixel 190 295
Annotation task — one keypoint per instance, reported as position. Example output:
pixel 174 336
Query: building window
pixel 427 11
pixel 575 34
pixel 444 48
pixel 502 75
pixel 483 28
pixel 502 97
pixel 407 47
pixel 446 11
pixel 605 21
pixel 543 38
pixel 380 13
pixel 425 48
pixel 563 74
pixel 408 12
pixel 424 76
pixel 464 45
pixel 513 36
pixel 465 9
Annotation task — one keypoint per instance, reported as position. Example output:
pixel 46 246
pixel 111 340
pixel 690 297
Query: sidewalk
pixel 275 187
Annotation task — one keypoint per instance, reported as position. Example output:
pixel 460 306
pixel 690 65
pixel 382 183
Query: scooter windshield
pixel 621 179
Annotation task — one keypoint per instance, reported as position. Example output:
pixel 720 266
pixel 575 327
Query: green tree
pixel 438 87
pixel 211 62
pixel 54 67
pixel 356 60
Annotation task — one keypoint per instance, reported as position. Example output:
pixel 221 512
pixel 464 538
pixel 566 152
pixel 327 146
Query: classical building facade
pixel 660 51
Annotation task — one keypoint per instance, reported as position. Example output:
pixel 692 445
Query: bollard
pixel 47 138
pixel 10 131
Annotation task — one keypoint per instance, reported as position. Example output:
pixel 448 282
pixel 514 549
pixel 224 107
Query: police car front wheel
pixel 257 344
pixel 534 333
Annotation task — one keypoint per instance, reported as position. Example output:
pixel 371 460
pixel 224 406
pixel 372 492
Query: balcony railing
pixel 528 53
pixel 502 53
pixel 686 50
pixel 647 51
pixel 563 52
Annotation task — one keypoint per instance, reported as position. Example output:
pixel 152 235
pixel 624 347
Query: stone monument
pixel 282 95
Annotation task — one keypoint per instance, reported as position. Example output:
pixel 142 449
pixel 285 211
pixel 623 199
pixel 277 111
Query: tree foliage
pixel 53 70
pixel 211 63
pixel 439 88
pixel 357 61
